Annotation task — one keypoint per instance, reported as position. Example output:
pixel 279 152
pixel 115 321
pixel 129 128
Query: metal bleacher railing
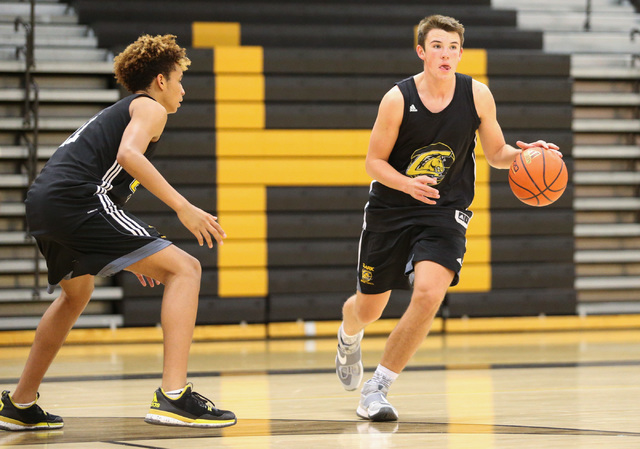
pixel 30 122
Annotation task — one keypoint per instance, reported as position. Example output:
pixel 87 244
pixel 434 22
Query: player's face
pixel 442 52
pixel 174 92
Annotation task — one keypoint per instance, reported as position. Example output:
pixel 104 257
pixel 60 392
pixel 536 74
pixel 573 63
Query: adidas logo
pixel 154 402
pixel 412 108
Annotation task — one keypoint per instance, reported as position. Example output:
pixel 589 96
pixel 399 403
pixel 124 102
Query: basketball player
pixel 421 157
pixel 74 211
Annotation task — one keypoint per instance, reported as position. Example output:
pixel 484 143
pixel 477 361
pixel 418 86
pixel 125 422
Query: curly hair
pixel 139 63
pixel 438 22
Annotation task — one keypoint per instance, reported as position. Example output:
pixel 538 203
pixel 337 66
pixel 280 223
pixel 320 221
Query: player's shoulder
pixel 146 106
pixel 479 87
pixel 147 102
pixel 393 95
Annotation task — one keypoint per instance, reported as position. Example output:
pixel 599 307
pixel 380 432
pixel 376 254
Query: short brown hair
pixel 438 22
pixel 139 63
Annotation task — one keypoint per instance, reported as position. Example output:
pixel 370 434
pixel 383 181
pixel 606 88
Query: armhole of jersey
pixel 469 83
pixel 406 97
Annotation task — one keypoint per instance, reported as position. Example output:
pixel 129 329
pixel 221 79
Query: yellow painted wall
pixel 250 158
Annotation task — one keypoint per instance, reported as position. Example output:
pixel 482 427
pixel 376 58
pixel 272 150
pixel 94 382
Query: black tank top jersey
pixel 440 145
pixel 83 177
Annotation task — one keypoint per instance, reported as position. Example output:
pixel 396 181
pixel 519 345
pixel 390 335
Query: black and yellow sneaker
pixel 14 417
pixel 191 409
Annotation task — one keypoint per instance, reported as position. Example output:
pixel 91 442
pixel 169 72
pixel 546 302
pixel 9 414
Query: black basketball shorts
pixel 386 259
pixel 102 246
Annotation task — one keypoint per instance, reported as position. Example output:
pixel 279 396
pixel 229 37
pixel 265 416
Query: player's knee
pixel 426 298
pixel 189 266
pixel 367 312
pixel 77 299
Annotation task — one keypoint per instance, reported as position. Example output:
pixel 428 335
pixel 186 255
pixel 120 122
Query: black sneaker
pixel 13 417
pixel 190 409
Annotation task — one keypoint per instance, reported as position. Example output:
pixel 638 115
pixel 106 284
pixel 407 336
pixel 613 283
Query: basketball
pixel 538 177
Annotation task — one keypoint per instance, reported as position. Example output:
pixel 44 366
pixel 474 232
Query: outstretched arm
pixel 147 123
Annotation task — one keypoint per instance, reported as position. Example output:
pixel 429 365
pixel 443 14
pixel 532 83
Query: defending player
pixel 74 211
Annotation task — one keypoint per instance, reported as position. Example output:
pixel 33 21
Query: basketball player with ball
pixel 421 157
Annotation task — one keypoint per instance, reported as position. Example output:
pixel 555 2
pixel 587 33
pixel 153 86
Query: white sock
pixel 384 376
pixel 28 404
pixel 174 394
pixel 349 339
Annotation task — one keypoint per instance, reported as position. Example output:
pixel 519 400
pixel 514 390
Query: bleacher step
pixel 601 151
pixel 13 181
pixel 587 125
pixel 46 42
pixel 607 283
pixel 45 123
pixel 21 266
pixel 8 209
pixel 64 95
pixel 15 237
pixel 21 152
pixel 61 67
pixel 46 29
pixel 60 54
pixel 607 230
pixel 607 256
pixel 575 21
pixel 601 203
pixel 607 178
pixel 608 99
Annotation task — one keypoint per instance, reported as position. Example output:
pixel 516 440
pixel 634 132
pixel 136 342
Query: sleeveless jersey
pixel 440 145
pixel 83 177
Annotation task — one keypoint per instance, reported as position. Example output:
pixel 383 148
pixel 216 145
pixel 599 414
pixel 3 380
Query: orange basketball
pixel 538 177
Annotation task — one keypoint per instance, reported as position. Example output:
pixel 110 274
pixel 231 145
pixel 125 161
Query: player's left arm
pixel 498 153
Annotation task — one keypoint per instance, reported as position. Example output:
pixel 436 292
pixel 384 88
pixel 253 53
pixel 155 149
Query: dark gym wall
pixel 272 136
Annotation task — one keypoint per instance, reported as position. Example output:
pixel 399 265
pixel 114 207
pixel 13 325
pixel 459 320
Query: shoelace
pixel 203 401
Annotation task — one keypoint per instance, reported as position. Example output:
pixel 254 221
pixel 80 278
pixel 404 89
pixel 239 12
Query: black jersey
pixel 83 177
pixel 440 145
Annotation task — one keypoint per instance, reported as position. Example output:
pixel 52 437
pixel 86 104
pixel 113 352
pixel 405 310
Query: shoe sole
pixel 383 415
pixel 15 425
pixel 174 420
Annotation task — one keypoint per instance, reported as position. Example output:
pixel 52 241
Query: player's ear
pixel 160 80
pixel 420 51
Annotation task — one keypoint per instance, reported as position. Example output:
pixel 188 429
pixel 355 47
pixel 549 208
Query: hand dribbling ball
pixel 538 177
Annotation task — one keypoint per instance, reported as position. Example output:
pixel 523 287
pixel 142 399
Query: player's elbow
pixel 125 157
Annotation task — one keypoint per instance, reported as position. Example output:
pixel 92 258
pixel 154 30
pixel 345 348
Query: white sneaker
pixel 374 405
pixel 349 363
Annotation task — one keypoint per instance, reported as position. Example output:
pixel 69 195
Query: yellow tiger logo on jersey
pixel 433 160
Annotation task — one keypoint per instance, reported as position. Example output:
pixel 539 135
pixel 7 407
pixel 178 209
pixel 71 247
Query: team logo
pixel 433 160
pixel 367 274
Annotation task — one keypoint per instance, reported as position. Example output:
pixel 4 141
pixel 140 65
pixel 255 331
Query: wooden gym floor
pixel 509 383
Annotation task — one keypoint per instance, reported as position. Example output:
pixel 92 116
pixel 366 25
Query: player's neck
pixel 435 87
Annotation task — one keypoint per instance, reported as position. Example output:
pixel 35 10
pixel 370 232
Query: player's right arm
pixel 148 119
pixel 383 138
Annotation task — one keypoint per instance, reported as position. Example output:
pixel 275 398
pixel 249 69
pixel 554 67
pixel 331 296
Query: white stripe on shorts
pixel 121 218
